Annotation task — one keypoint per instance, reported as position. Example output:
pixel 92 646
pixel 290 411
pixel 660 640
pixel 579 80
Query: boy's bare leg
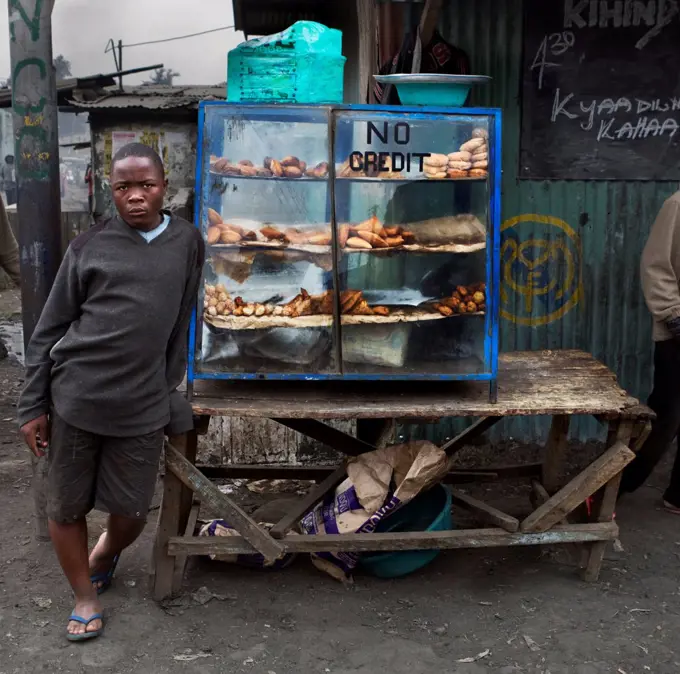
pixel 120 533
pixel 70 544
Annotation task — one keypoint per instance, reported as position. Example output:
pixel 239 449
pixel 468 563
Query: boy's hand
pixel 35 434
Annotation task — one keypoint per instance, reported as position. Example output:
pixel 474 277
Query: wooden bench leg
pixel 605 504
pixel 181 560
pixel 169 521
pixel 553 462
pixel 187 495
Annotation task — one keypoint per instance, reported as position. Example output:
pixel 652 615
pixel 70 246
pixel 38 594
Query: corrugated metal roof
pixel 152 97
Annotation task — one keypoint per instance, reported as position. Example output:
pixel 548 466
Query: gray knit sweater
pixel 109 350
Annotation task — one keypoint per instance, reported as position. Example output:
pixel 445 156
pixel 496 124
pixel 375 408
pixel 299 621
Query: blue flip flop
pixel 106 577
pixel 85 621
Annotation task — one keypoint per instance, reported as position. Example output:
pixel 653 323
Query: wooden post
pixel 605 503
pixel 36 153
pixel 163 573
pixel 367 17
pixel 553 462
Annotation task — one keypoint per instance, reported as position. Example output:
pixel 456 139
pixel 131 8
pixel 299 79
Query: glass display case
pixel 347 242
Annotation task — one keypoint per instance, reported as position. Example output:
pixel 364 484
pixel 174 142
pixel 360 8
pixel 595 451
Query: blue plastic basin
pixel 436 90
pixel 429 511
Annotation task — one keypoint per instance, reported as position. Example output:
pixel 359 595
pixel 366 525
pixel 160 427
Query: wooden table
pixel 556 383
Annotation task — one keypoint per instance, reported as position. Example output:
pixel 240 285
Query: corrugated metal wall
pixel 570 264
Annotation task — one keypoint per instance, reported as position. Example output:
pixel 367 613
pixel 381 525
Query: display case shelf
pixel 273 179
pixel 268 322
pixel 421 179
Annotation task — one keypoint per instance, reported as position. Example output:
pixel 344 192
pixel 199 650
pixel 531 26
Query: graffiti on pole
pixel 32 139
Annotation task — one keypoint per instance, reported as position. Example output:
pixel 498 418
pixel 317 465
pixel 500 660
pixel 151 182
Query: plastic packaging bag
pixel 378 484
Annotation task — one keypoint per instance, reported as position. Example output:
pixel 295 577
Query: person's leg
pixel 672 494
pixel 665 401
pixel 126 483
pixel 72 459
pixel 70 544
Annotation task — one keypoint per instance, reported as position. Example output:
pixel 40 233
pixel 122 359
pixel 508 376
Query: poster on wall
pixel 119 139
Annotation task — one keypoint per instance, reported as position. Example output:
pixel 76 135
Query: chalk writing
pixel 555 43
pixel 601 95
pixel 655 14
pixel 613 128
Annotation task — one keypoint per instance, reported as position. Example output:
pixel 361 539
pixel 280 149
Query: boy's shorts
pixel 86 471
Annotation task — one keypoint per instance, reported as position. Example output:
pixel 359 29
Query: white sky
pixel 81 29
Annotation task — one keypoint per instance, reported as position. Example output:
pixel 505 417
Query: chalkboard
pixel 601 90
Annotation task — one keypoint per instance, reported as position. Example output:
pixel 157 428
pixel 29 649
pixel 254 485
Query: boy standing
pixel 102 371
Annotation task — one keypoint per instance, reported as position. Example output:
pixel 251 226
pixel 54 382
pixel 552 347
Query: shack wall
pixel 571 249
pixel 174 139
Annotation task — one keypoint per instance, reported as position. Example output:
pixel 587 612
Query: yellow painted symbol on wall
pixel 540 269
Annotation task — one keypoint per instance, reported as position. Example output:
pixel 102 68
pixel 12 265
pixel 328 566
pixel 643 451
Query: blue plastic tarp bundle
pixel 302 64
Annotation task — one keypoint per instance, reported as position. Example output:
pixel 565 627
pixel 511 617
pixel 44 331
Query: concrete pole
pixel 36 151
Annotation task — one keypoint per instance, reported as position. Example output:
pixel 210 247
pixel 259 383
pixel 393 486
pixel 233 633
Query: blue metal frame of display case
pixel 492 257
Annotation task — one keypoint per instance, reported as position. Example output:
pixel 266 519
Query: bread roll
pixel 435 160
pixel 480 133
pixel 436 176
pixel 472 145
pixel 460 165
pixel 478 173
pixel 456 173
pixel 373 239
pixel 459 156
pixel 480 164
pixel 357 242
pixel 482 156
pixel 213 236
pixel 229 236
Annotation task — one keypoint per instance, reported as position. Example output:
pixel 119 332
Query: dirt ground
pixel 521 610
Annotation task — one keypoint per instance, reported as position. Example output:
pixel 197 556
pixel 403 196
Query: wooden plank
pixel 168 526
pixel 319 473
pixel 425 540
pixel 641 436
pixel 605 504
pixel 334 438
pixel 530 383
pixel 181 560
pixel 222 505
pixel 281 528
pixel 471 433
pixel 485 512
pixel 540 495
pixel 555 450
pixel 585 484
pixel 540 492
